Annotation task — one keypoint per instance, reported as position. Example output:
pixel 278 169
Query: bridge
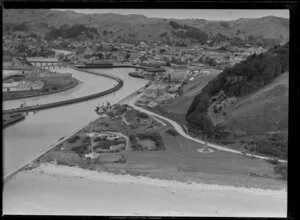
pixel 48 63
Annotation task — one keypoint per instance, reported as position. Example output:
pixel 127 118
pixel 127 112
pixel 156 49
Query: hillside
pixel 263 111
pixel 242 79
pixel 139 27
pixel 246 102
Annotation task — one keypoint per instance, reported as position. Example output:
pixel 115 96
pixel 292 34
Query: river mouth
pixel 25 140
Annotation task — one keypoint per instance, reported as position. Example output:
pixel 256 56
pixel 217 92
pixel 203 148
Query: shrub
pixel 122 159
pixel 154 136
pixel 97 139
pixel 136 146
pixel 73 139
pixel 121 109
pixel 273 161
pixel 110 114
pixel 142 115
pixel 86 140
pixel 271 151
pixel 281 169
pixel 132 138
pixel 82 149
pixel 172 132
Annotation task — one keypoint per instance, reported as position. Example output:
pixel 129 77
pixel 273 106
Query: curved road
pixel 180 130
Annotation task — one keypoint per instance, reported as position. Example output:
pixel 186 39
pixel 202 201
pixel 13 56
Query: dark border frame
pixel 294 90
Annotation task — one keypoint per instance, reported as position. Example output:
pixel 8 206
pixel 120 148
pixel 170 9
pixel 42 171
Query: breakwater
pixel 119 85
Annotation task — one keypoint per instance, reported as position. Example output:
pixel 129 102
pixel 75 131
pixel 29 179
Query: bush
pixel 86 140
pixel 271 151
pixel 281 169
pixel 154 136
pixel 273 161
pixel 136 146
pixel 122 159
pixel 172 132
pixel 82 149
pixel 61 158
pixel 142 115
pixel 73 139
pixel 121 109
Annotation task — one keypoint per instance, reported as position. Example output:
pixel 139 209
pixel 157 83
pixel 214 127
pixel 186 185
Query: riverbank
pixel 51 146
pixel 162 197
pixel 44 91
pixel 75 100
pixel 10 119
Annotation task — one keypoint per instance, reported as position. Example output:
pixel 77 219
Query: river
pixel 28 138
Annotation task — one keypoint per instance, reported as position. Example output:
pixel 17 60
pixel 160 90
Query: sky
pixel 208 14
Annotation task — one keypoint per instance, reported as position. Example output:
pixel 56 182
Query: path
pixel 180 130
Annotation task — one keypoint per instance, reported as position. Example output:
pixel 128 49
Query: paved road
pixel 180 130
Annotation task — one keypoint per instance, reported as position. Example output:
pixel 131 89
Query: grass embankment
pixel 161 152
pixel 47 89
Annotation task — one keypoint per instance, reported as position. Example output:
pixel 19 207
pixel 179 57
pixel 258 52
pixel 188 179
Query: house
pixel 92 155
pixel 117 147
pixel 152 104
pixel 174 88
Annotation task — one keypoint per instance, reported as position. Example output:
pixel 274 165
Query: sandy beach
pixel 59 190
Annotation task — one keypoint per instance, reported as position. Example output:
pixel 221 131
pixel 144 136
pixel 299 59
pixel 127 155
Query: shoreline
pixel 163 197
pixel 8 176
pixel 146 180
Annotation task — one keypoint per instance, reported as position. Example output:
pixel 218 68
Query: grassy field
pixel 177 160
pixel 181 161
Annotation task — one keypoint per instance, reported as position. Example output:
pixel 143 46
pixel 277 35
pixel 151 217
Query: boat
pixel 136 74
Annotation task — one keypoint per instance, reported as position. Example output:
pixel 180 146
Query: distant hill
pixel 141 28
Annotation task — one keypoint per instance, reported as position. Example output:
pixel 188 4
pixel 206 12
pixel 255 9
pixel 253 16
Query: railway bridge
pixel 49 64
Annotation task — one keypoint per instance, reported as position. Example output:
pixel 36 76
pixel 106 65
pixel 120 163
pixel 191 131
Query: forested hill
pixel 244 78
pixel 266 31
